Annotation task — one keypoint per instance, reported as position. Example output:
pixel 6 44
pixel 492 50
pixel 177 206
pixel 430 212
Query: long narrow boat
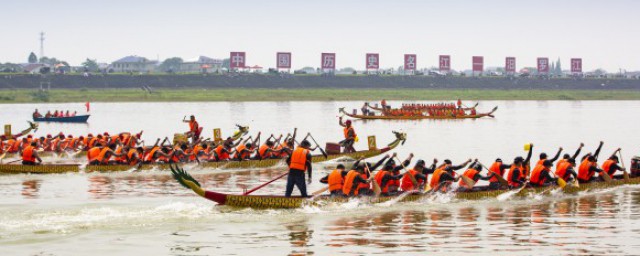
pixel 281 202
pixel 66 119
pixel 424 109
pixel 248 164
pixel 383 117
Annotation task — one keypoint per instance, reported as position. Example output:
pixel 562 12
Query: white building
pixel 133 64
pixel 202 64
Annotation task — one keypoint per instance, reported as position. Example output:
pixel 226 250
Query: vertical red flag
pixel 543 65
pixel 478 63
pixel 510 65
pixel 87 105
pixel 576 65
pixel 410 62
pixel 445 63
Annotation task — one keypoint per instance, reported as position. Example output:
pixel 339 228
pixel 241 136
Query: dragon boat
pixel 65 119
pixel 418 117
pixel 377 108
pixel 246 164
pixel 281 202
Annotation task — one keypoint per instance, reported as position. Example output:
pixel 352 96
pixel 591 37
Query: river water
pixel 148 213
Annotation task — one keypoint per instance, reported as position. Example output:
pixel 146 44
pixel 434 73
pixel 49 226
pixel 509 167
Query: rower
pixel 365 188
pixel 266 151
pixel 566 157
pixel 388 178
pixel 543 157
pixel 106 153
pixel 417 174
pixel 589 166
pixel 473 173
pixel 566 170
pixel 223 152
pixel 350 136
pixel 93 153
pixel 445 175
pixel 335 180
pixel 610 166
pixel 353 180
pixel 541 175
pixel 199 150
pixel 299 162
pixel 498 168
pixel 516 176
pixel 156 152
pixel 134 156
pixel 194 128
pixel 30 155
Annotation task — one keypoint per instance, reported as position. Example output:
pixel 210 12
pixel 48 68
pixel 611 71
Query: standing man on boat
pixel 299 162
pixel 194 128
pixel 350 136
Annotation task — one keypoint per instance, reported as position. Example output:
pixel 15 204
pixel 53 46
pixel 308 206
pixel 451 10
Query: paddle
pixel 605 176
pixel 320 191
pixel 10 162
pixel 407 172
pixel 321 150
pixel 468 181
pixel 376 186
pixel 625 174
pixel 500 179
pixel 265 184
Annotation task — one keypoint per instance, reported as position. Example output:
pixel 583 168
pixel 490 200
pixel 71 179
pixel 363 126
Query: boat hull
pixel 69 119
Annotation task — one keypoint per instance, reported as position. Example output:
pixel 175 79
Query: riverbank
pixel 245 94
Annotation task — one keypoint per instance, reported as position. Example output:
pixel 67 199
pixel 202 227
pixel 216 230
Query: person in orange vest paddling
pixel 299 162
pixel 30 155
pixel 589 166
pixel 350 136
pixel 610 166
pixel 541 175
pixel 335 180
pixel 473 173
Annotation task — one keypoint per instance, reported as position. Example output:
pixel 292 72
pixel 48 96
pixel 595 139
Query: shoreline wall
pixel 267 81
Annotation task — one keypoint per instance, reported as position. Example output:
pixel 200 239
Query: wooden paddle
pixel 375 185
pixel 605 176
pixel 10 162
pixel 265 184
pixel 468 181
pixel 407 172
pixel 625 174
pixel 320 191
pixel 321 150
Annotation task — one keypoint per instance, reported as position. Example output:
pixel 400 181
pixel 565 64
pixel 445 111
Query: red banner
pixel 478 63
pixel 410 61
pixel 283 60
pixel 576 65
pixel 445 63
pixel 328 61
pixel 237 60
pixel 510 65
pixel 543 65
pixel 372 61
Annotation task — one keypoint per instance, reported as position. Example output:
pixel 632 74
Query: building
pixel 202 64
pixel 133 64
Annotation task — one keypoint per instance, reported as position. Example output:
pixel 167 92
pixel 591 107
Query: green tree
pixel 226 64
pixel 90 65
pixel 171 64
pixel 33 58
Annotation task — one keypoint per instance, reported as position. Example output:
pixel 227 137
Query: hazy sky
pixel 604 33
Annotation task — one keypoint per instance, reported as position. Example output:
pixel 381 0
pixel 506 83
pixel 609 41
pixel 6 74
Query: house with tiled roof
pixel 201 64
pixel 133 63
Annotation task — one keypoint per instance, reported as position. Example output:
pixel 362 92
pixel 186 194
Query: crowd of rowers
pixel 56 113
pixel 359 178
pixel 420 110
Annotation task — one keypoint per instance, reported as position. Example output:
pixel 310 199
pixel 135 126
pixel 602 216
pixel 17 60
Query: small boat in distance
pixel 66 119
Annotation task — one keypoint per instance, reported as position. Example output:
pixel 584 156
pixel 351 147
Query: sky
pixel 605 34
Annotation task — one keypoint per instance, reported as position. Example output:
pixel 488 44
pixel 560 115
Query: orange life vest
pixel 407 184
pixel 606 166
pixel 263 151
pixel 495 168
pixel 335 180
pixel 93 153
pixel 122 158
pixel 242 155
pixel 193 126
pixel 299 159
pixel 102 157
pixel 222 155
pixel 510 176
pixel 27 154
pixel 560 162
pixel 561 170
pixel 348 182
pixel 536 175
pixel 364 185
pixel 540 162
pixel 15 146
pixel 346 132
pixel 132 161
pixel 150 156
pixel 435 178
pixel 378 177
pixel 469 173
pixel 584 171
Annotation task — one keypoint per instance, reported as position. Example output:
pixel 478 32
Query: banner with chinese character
pixel 478 63
pixel 445 63
pixel 576 65
pixel 410 62
pixel 510 65
pixel 283 60
pixel 543 65
pixel 237 60
pixel 372 61
pixel 328 61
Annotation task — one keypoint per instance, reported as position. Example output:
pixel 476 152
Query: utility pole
pixel 41 45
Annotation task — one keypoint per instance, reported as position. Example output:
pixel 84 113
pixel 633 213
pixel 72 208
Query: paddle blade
pixel 502 181
pixel 606 177
pixel 376 188
pixel 576 183
pixel 561 182
pixel 320 191
pixel 625 174
pixel 468 181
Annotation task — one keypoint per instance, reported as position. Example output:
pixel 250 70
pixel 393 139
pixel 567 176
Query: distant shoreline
pixel 325 94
